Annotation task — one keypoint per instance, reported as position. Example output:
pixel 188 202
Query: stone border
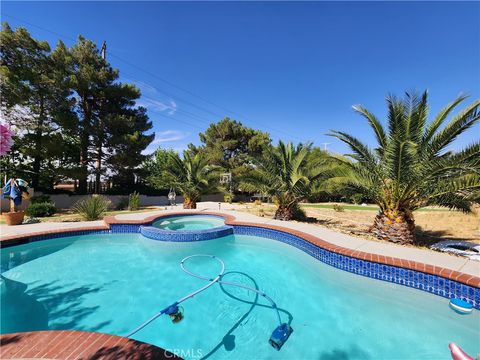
pixel 73 344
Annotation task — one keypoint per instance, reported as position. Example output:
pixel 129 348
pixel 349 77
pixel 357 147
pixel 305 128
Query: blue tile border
pixel 415 279
pixel 34 238
pixel 155 233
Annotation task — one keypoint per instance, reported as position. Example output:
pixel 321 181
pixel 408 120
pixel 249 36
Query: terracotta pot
pixel 14 218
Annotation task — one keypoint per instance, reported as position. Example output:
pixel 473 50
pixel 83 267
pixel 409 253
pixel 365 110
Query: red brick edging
pixel 58 344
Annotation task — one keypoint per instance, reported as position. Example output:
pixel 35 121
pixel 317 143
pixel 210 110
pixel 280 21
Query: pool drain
pixel 279 335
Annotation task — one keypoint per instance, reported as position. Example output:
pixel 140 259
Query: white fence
pixel 63 201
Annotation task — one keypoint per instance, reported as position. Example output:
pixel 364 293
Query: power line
pixel 164 81
pixel 199 97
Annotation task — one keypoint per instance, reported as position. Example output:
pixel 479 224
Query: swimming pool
pixel 189 222
pixel 113 282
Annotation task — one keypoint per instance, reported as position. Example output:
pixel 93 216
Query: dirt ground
pixel 432 225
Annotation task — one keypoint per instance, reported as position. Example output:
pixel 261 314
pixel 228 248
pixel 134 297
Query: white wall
pixel 64 201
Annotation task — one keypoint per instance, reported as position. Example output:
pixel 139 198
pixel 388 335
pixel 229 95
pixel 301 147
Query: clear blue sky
pixel 293 69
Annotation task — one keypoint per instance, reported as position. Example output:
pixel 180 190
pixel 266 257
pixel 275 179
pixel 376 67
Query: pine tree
pixel 34 97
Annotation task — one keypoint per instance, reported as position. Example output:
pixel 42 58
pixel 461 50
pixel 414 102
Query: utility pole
pixel 325 145
pixel 104 51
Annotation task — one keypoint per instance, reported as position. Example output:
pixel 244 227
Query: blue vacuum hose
pixel 279 335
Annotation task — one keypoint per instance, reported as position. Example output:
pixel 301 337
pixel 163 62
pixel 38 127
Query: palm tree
pixel 284 174
pixel 192 176
pixel 411 167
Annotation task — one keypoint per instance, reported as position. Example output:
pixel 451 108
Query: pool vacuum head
pixel 175 312
pixel 280 335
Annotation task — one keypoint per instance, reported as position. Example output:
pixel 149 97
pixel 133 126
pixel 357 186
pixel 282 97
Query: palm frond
pixel 376 125
pixel 440 118
pixel 459 124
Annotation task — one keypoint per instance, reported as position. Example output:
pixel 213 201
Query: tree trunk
pixel 400 230
pixel 84 145
pixel 37 161
pixel 189 204
pixel 83 172
pixel 284 213
pixel 98 169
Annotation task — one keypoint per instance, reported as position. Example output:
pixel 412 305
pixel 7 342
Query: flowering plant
pixel 6 140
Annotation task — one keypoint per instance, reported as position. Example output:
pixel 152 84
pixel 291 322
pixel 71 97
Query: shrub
pixel 123 203
pixel 356 198
pixel 92 208
pixel 228 197
pixel 41 209
pixel 40 199
pixel 338 208
pixel 134 201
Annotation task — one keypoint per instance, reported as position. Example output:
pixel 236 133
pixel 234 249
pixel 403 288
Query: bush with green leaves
pixel 41 209
pixel 356 198
pixel 92 208
pixel 134 201
pixel 40 199
pixel 338 208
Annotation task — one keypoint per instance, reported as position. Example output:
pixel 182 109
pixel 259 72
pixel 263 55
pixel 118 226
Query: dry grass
pixel 432 225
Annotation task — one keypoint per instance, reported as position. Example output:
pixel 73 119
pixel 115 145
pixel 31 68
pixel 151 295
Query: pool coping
pixel 75 344
pixel 109 221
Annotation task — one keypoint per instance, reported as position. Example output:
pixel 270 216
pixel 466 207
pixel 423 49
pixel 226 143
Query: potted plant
pixel 14 194
pixel 15 190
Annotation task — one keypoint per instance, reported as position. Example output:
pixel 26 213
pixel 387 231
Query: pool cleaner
pixel 279 335
pixel 175 312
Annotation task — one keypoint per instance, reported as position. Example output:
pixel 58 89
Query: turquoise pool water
pixel 112 283
pixel 190 222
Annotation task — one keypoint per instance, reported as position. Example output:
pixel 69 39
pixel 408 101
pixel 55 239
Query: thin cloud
pixel 144 87
pixel 167 136
pixel 159 106
pixel 153 104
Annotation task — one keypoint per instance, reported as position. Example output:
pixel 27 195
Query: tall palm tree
pixel 284 174
pixel 192 176
pixel 412 167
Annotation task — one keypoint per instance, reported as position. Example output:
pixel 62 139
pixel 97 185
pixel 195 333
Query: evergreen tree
pixel 111 129
pixel 69 111
pixel 34 98
pixel 232 146
pixel 155 167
